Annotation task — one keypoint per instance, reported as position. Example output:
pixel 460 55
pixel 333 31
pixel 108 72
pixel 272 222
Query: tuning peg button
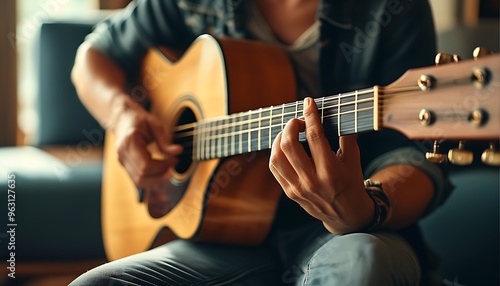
pixel 480 52
pixel 460 156
pixel 491 156
pixel 443 58
pixel 435 156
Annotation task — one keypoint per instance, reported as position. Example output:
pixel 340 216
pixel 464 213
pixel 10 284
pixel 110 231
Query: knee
pixel 100 276
pixel 368 257
pixel 364 251
pixel 353 251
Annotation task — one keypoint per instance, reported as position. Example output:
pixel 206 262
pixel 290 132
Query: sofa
pixel 58 176
pixel 58 185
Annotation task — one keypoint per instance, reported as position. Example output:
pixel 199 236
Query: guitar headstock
pixel 454 100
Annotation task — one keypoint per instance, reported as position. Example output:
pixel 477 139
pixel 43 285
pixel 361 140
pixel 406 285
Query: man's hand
pixel 328 186
pixel 136 129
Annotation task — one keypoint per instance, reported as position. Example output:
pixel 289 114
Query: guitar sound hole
pixel 184 137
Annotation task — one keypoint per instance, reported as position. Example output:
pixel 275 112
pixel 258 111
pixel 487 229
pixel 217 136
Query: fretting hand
pixel 328 186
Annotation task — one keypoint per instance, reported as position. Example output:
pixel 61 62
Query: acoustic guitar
pixel 226 100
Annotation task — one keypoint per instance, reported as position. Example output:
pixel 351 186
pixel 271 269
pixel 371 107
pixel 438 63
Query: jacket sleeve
pixel 130 32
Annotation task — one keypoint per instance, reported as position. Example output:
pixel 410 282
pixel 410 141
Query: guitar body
pixel 231 200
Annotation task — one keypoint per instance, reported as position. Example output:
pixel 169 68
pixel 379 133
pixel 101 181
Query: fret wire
pixel 213 145
pixel 356 113
pixel 282 116
pixel 270 126
pixel 259 126
pixel 249 131
pixel 297 109
pixel 232 134
pixel 205 129
pixel 202 144
pixel 220 142
pixel 322 109
pixel 209 141
pixel 241 141
pixel 225 138
pixel 338 117
pixel 196 153
pixel 198 141
pixel 218 139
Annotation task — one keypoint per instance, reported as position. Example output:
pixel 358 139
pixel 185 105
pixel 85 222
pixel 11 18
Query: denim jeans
pixel 305 256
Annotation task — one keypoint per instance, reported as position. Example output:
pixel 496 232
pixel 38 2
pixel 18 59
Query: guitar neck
pixel 255 130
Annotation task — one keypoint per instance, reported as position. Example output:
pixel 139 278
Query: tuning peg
pixel 480 52
pixel 443 58
pixel 460 156
pixel 491 156
pixel 434 156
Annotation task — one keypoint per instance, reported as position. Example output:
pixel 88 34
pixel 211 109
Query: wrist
pixel 119 105
pixel 354 210
pixel 382 205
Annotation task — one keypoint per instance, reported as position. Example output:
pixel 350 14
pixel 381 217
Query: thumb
pixel 160 136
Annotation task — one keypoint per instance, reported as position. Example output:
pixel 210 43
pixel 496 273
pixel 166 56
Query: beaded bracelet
pixel 381 202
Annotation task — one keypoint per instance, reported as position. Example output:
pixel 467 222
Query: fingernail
pixel 306 101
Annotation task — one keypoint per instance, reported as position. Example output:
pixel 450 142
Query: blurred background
pixel 58 146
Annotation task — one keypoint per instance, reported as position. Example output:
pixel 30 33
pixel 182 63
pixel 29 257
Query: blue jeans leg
pixel 374 259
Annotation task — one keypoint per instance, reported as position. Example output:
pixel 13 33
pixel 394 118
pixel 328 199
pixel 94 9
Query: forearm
pixel 409 191
pixel 100 85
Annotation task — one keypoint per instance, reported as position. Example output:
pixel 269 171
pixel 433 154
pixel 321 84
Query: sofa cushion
pixel 57 206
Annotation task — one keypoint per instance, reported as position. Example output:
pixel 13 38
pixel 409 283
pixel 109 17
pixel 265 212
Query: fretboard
pixel 255 130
